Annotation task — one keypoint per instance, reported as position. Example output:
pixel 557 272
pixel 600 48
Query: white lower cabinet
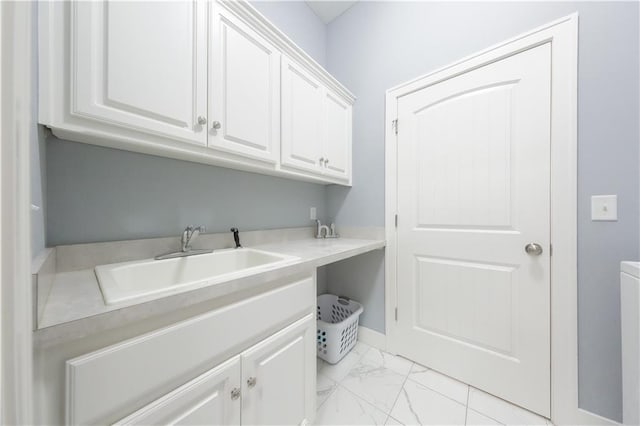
pixel 272 383
pixel 249 362
pixel 279 377
pixel 208 399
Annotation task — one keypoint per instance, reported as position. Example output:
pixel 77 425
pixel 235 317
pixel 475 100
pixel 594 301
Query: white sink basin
pixel 125 281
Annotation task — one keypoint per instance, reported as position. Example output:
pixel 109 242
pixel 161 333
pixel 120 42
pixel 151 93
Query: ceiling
pixel 327 11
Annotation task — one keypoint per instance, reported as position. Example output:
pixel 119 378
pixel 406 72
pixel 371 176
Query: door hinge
pixel 396 314
pixel 550 249
pixel 394 123
pixel 396 221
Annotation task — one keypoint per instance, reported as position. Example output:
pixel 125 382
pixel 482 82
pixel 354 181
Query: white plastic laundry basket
pixel 337 326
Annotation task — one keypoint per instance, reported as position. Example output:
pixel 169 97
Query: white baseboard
pixel 584 417
pixel 372 338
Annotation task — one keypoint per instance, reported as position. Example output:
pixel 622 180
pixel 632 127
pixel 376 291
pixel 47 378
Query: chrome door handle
pixel 216 125
pixel 533 249
pixel 251 382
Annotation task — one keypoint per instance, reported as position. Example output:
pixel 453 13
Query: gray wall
pixel 299 23
pixel 376 45
pixel 102 194
pixel 361 278
pixel 99 194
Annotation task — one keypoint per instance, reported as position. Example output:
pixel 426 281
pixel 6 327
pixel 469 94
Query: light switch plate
pixel 604 207
pixel 312 213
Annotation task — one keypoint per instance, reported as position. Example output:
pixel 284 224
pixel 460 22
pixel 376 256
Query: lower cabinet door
pixel 279 376
pixel 210 399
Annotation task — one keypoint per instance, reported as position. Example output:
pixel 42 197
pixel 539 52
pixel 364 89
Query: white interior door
pixel 141 65
pixel 473 191
pixel 244 96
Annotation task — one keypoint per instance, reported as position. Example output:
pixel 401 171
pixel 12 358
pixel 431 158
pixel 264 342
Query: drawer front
pixel 108 384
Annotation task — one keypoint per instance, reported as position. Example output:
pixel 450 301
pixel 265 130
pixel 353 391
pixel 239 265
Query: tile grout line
pixel 360 398
pixel 438 392
pixel 338 382
pixel 480 412
pixel 466 410
pixel 486 415
pixel 511 405
pixel 395 401
pixel 330 393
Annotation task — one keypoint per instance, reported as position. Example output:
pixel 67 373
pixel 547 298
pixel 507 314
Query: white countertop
pixel 75 304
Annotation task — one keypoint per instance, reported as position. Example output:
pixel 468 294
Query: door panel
pixel 467 173
pixel 206 400
pixel 245 90
pixel 283 367
pixel 124 56
pixel 338 136
pixel 302 123
pixel 473 190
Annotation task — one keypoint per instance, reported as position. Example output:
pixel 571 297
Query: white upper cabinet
pixel 208 81
pixel 337 136
pixel 316 125
pixel 244 94
pixel 141 66
pixel 302 111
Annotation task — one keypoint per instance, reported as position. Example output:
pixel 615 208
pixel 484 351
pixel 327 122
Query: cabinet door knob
pixel 235 393
pixel 326 162
pixel 533 249
pixel 321 160
pixel 251 382
pixel 202 120
pixel 216 125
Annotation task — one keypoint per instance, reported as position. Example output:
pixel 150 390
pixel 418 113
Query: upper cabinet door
pixel 244 96
pixel 279 377
pixel 141 65
pixel 302 118
pixel 337 143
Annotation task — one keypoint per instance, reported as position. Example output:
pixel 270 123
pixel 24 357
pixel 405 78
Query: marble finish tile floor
pixel 372 387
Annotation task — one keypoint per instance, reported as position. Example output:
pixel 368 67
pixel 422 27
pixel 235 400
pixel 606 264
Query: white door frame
pixel 563 36
pixel 16 125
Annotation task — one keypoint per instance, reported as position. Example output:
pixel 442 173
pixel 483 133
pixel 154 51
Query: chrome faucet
pixel 319 228
pixel 328 232
pixel 190 233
